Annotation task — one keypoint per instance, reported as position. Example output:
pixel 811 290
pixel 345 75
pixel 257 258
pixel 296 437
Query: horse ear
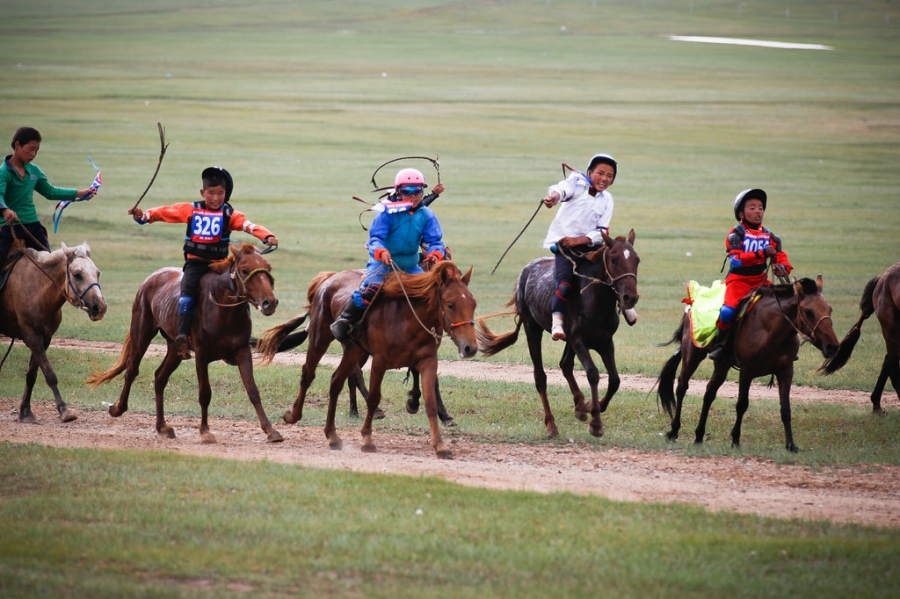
pixel 63 246
pixel 606 239
pixel 819 282
pixel 468 276
pixel 87 248
pixel 596 254
pixel 631 237
pixel 235 250
pixel 798 288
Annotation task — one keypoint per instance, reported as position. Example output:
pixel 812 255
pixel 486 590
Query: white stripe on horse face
pixel 627 253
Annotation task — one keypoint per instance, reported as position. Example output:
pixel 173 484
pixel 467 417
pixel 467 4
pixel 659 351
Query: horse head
pixel 814 316
pixel 256 290
pixel 83 281
pixel 458 307
pixel 620 262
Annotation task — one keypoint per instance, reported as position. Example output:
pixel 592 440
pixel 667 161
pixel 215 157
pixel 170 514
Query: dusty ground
pixel 733 484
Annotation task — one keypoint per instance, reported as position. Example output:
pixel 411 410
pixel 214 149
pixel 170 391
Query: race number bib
pixel 206 226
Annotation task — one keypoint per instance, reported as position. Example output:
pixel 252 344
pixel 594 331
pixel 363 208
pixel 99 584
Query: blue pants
pixel 375 273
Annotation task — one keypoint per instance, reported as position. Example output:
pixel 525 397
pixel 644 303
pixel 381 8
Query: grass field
pixel 303 101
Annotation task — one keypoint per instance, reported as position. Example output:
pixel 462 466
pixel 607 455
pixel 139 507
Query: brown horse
pixel 607 283
pixel 31 309
pixel 220 331
pixel 763 342
pixel 356 382
pixel 402 328
pixel 881 297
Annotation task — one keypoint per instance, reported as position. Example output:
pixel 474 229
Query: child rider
pixel 209 224
pixel 585 214
pixel 394 239
pixel 749 246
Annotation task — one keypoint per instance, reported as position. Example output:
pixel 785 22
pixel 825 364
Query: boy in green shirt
pixel 19 179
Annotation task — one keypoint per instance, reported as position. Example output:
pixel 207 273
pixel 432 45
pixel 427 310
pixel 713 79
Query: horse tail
pixel 490 343
pixel 278 338
pixel 95 379
pixel 845 349
pixel 665 384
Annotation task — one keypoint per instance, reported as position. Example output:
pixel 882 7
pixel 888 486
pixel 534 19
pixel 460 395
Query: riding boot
pixel 341 327
pixel 182 343
pixel 717 348
pixel 556 330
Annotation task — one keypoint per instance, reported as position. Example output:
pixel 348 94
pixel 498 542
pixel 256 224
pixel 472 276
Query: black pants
pixel 194 269
pixel 564 270
pixel 37 231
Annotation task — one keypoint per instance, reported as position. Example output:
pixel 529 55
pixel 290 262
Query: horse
pixel 763 342
pixel 402 328
pixel 321 322
pixel 881 296
pixel 220 330
pixel 31 309
pixel 607 284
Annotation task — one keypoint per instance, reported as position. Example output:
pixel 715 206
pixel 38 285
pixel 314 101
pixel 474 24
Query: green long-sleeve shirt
pixel 17 192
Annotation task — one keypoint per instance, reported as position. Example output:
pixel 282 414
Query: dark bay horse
pixel 607 284
pixel 220 331
pixel 355 382
pixel 881 296
pixel 763 342
pixel 402 328
pixel 31 309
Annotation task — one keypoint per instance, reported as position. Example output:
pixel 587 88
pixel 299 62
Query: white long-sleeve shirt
pixel 580 214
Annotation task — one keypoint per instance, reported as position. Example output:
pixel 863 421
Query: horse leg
pixel 137 344
pixel 26 416
pixel 372 400
pixel 784 394
pixel 533 333
pixel 595 428
pixel 338 379
pixel 608 356
pixel 688 367
pixel 160 379
pixel 429 382
pixel 314 354
pixel 445 418
pixel 715 381
pixel 894 373
pixel 244 362
pixel 204 396
pixel 567 366
pixel 743 403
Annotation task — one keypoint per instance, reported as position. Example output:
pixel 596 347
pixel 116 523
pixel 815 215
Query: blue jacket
pixel 402 233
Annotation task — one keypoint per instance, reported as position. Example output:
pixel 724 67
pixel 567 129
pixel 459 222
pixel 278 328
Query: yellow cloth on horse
pixel 705 303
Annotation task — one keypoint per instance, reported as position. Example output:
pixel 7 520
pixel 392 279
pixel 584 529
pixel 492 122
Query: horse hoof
pixel 208 439
pixel 552 432
pixel 29 419
pixel 596 430
pixel 114 411
pixel 274 437
pixel 444 454
pixel 335 444
pixel 167 433
pixel 68 415
pixel 603 406
pixel 449 422
pixel 793 448
pixel 410 409
pixel 288 418
pixel 582 416
pixel 671 437
pixel 878 412
pixel 368 448
pixel 379 415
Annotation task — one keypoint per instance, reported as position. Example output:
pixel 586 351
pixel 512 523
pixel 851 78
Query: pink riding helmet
pixel 409 176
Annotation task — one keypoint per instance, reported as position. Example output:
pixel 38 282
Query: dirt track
pixel 733 484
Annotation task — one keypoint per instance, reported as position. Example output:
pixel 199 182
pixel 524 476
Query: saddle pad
pixel 703 308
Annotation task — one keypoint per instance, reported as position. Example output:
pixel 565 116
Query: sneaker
pixel 630 316
pixel 556 330
pixel 183 347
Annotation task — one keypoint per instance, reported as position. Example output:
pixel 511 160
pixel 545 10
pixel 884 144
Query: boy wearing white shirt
pixel 585 214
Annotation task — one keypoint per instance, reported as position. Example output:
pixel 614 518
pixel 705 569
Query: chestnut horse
pixel 763 342
pixel 220 331
pixel 355 382
pixel 402 328
pixel 31 309
pixel 607 284
pixel 881 297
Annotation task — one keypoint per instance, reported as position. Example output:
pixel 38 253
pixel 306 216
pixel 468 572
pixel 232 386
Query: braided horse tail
pixel 845 350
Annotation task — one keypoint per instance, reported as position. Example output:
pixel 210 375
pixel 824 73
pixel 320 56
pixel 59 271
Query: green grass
pixel 301 102
pixel 100 524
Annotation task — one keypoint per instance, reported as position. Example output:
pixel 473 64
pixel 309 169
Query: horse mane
pixel 224 265
pixel 422 286
pixel 56 256
pixel 314 285
pixel 808 286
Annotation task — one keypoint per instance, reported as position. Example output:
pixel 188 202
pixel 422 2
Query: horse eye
pixel 810 314
pixel 451 307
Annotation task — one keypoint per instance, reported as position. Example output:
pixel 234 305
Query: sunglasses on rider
pixel 409 190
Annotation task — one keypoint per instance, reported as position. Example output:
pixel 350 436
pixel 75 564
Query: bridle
pixel 239 286
pixel 81 305
pixel 610 281
pixel 449 326
pixel 811 337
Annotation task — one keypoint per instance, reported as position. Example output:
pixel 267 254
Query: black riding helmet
pixel 217 175
pixel 603 159
pixel 745 195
